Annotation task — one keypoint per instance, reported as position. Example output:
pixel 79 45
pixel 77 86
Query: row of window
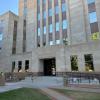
pixel 15 36
pixel 20 66
pixel 89 66
pixel 56 42
pixel 51 12
pixel 57 27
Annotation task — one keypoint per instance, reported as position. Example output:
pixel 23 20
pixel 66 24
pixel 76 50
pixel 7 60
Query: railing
pixel 82 78
pixel 9 77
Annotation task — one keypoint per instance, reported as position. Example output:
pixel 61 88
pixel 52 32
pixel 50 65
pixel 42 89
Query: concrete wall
pixel 6 51
pixel 58 52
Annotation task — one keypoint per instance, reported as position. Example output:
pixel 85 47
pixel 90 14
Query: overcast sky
pixel 6 5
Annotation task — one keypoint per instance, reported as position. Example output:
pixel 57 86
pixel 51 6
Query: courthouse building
pixel 51 36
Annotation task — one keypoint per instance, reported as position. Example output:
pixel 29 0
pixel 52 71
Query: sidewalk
pixel 96 90
pixel 54 95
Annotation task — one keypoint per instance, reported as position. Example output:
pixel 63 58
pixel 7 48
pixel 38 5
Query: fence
pixel 83 78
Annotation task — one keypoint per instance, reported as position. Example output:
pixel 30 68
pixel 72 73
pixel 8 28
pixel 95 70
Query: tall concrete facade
pixel 51 37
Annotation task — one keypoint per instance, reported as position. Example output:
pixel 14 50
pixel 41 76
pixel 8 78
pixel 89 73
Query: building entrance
pixel 49 67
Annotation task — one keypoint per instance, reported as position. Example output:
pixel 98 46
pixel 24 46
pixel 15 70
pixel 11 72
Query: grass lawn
pixel 23 94
pixel 77 95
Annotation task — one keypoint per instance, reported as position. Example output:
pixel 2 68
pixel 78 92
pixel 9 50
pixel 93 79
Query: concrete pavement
pixel 55 95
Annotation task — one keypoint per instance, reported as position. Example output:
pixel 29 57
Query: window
pixel 38 1
pixel 1 35
pixel 27 65
pixel 44 1
pixel 50 28
pixel 38 16
pixel 93 20
pixel 38 31
pixel 13 66
pixel 90 1
pixel 44 29
pixel 25 11
pixel 93 17
pixel 74 63
pixel 89 62
pixel 57 41
pixel 51 43
pixel 50 12
pixel 25 1
pixel 57 26
pixel 44 14
pixel 64 24
pixel 63 7
pixel 57 9
pixel 19 66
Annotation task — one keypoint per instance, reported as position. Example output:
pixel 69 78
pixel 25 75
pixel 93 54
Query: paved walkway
pixel 55 95
pixel 97 90
pixel 38 82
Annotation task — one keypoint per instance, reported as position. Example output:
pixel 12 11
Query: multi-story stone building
pixel 51 36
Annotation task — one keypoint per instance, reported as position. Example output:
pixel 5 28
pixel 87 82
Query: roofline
pixel 8 13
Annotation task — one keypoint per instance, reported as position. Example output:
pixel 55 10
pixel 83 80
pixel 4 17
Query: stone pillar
pixel 2 79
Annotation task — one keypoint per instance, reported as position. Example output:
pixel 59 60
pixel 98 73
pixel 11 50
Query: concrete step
pixel 43 81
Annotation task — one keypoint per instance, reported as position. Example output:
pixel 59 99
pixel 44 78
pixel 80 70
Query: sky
pixel 6 5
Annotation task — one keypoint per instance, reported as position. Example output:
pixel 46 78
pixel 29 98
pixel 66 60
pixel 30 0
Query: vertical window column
pixel 57 24
pixel 25 9
pixel 64 19
pixel 38 23
pixel 44 21
pixel 24 26
pixel 14 38
pixel 24 36
pixel 1 32
pixel 47 26
pixel 50 22
pixel 93 20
